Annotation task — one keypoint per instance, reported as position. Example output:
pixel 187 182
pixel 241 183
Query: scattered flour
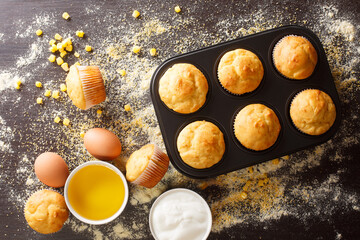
pixel 270 187
pixel 39 22
pixel 6 136
pixel 8 80
pixel 345 28
pixel 36 50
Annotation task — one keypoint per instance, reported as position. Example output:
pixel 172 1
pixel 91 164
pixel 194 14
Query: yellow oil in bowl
pixel 96 192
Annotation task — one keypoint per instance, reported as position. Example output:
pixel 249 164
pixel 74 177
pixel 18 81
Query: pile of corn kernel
pixel 62 47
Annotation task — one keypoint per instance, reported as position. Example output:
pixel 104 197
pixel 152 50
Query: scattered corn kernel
pixel 39 32
pixel 177 9
pixel 52 58
pixel 80 34
pixel 47 93
pixel 62 54
pixel 82 134
pixel 59 61
pixel 76 54
pixel 275 161
pixel 52 42
pixel 63 87
pixel 65 67
pixel 88 48
pixel 69 48
pixel 243 195
pixel 38 84
pixel 99 111
pixel 18 84
pixel 53 48
pixel 122 72
pixel 136 49
pixel 127 107
pixel 250 169
pixel 77 64
pixel 57 119
pixel 136 14
pixel 60 47
pixel 66 121
pixel 58 37
pixel 153 52
pixel 55 94
pixel 67 42
pixel 286 157
pixel 39 100
pixel 65 16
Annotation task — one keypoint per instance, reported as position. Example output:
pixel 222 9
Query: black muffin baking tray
pixel 221 107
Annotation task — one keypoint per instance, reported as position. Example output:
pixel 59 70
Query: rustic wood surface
pixel 343 224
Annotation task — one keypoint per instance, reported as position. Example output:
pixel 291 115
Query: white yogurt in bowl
pixel 180 214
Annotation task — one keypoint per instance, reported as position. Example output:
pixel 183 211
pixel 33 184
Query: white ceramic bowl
pixel 170 194
pixel 102 221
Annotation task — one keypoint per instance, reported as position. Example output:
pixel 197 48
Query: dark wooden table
pixel 320 186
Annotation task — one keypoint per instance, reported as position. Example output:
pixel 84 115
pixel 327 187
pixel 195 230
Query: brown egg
pixel 51 169
pixel 102 144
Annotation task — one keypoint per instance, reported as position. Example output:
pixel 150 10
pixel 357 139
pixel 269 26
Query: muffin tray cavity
pixel 221 107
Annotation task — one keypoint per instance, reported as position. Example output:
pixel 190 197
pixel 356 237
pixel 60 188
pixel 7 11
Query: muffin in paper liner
pixel 147 166
pixel 240 71
pixel 264 128
pixel 85 86
pixel 45 211
pixel 201 144
pixel 294 57
pixel 183 88
pixel 312 112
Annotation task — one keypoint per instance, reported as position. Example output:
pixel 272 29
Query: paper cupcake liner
pixel 92 84
pixel 276 45
pixel 228 91
pixel 155 170
pixel 37 230
pixel 236 136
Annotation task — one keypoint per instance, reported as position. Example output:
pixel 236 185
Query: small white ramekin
pixel 180 190
pixel 102 221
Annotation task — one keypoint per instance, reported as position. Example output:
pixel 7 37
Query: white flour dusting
pixel 272 186
pixel 345 28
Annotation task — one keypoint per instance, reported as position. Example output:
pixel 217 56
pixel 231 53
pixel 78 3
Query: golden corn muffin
pixel 85 86
pixel 240 71
pixel 312 111
pixel 295 57
pixel 183 88
pixel 257 127
pixel 201 144
pixel 147 166
pixel 46 211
